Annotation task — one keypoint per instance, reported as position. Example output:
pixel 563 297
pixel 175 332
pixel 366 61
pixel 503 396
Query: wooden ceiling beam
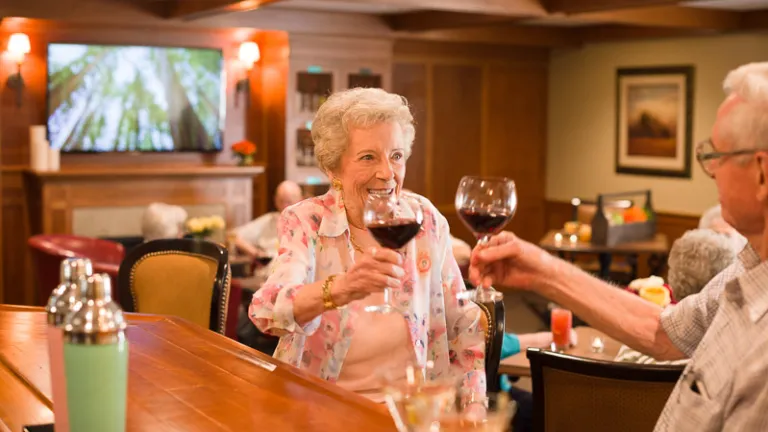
pixel 435 20
pixel 667 16
pixel 189 10
pixel 500 34
pixel 579 6
pixel 616 33
pixel 488 7
pixel 754 20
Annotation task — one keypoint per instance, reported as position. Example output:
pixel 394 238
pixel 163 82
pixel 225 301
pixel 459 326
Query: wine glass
pixel 485 205
pixel 414 401
pixel 393 221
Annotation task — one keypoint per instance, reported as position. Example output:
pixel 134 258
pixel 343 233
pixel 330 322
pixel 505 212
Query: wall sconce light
pixel 18 47
pixel 249 54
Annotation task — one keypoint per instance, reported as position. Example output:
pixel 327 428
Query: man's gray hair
pixel 747 125
pixel 162 221
pixel 696 258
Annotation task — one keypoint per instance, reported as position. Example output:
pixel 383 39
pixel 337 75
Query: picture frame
pixel 654 116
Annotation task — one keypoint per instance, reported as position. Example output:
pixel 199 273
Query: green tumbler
pixel 96 360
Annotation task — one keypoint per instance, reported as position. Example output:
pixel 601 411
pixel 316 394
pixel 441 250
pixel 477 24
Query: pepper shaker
pixel 61 302
pixel 96 360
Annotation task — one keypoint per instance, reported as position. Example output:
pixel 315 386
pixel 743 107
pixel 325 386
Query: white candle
pixel 54 158
pixel 38 148
pixel 558 239
pixel 573 239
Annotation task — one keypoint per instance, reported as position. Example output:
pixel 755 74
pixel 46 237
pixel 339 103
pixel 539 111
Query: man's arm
pixel 619 314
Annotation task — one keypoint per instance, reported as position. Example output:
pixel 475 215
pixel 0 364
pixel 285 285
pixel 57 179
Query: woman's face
pixel 374 163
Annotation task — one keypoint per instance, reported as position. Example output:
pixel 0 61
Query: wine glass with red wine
pixel 393 221
pixel 485 205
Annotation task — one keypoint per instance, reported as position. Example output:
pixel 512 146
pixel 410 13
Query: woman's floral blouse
pixel 314 243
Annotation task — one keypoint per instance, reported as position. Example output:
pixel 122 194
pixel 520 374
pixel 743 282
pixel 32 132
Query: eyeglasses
pixel 708 157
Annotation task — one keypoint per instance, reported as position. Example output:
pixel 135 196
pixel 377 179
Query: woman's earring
pixel 336 183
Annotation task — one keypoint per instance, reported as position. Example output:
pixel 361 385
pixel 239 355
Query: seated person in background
pixel 163 221
pixel 695 259
pixel 258 238
pixel 461 251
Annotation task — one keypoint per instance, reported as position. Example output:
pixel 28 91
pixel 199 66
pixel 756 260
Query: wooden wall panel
pixel 14 226
pixel 413 85
pixel 457 128
pixel 485 114
pixel 516 128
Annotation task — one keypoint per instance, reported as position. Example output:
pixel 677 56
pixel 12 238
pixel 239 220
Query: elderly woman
pixel 163 221
pixel 329 266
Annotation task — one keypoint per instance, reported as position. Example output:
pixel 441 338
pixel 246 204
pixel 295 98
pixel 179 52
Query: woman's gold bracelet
pixel 328 302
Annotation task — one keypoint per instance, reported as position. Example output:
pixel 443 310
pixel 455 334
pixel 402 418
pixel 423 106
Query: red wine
pixel 484 222
pixel 394 235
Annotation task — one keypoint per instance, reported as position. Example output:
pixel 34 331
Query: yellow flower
pixel 218 222
pixel 195 225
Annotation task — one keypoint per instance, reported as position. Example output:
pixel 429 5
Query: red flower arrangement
pixel 244 150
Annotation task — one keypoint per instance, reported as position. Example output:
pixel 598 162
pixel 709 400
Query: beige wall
pixel 582 123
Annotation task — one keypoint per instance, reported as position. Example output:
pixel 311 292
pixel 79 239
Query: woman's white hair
pixel 747 125
pixel 356 108
pixel 162 221
pixel 695 259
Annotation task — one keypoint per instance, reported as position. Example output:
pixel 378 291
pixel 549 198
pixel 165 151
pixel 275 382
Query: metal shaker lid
pixel 97 319
pixel 65 296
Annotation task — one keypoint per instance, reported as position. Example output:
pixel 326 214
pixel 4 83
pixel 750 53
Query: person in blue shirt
pixel 511 345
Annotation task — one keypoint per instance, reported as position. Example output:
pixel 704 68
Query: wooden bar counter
pixel 182 378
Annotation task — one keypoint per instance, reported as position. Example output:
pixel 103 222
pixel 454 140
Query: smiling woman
pixel 330 267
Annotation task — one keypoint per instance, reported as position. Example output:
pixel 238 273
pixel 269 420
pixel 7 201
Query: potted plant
pixel 244 150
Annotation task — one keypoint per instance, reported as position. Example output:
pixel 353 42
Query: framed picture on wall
pixel 654 111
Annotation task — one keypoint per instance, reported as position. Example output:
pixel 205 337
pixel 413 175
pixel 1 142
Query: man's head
pixel 287 194
pixel 737 156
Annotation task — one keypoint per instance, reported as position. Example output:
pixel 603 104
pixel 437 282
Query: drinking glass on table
pixel 420 404
pixel 414 400
pixel 495 415
pixel 561 323
pixel 485 205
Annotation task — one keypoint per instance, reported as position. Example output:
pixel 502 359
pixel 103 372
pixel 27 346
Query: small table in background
pixel 518 364
pixel 658 247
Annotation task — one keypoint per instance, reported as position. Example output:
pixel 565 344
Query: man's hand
pixel 506 260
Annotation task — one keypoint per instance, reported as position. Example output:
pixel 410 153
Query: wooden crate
pixel 606 234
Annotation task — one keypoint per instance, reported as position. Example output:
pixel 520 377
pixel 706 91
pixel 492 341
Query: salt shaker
pixel 61 302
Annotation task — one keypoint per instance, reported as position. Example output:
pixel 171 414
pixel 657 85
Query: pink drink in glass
pixel 561 324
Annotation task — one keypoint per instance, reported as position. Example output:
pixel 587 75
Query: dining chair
pixel 48 250
pixel 181 277
pixel 576 394
pixel 493 327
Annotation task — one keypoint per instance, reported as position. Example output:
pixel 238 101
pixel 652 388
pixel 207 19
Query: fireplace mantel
pixel 54 197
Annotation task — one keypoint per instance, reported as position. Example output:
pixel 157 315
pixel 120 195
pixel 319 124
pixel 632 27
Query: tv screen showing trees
pixel 108 98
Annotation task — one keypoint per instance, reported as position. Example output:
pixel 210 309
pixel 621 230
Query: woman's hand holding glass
pixel 375 271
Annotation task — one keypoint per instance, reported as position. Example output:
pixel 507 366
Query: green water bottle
pixel 96 360
pixel 62 301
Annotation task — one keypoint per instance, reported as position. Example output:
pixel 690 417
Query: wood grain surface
pixel 182 378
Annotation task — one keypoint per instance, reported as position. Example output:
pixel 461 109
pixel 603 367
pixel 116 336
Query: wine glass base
pixel 481 295
pixel 382 309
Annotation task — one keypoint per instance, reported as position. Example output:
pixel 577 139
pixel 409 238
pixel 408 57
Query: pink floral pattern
pixel 314 244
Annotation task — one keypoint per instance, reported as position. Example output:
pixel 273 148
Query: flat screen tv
pixel 109 98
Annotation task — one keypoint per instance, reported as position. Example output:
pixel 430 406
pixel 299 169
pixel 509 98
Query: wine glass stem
pixel 387 296
pixel 482 241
